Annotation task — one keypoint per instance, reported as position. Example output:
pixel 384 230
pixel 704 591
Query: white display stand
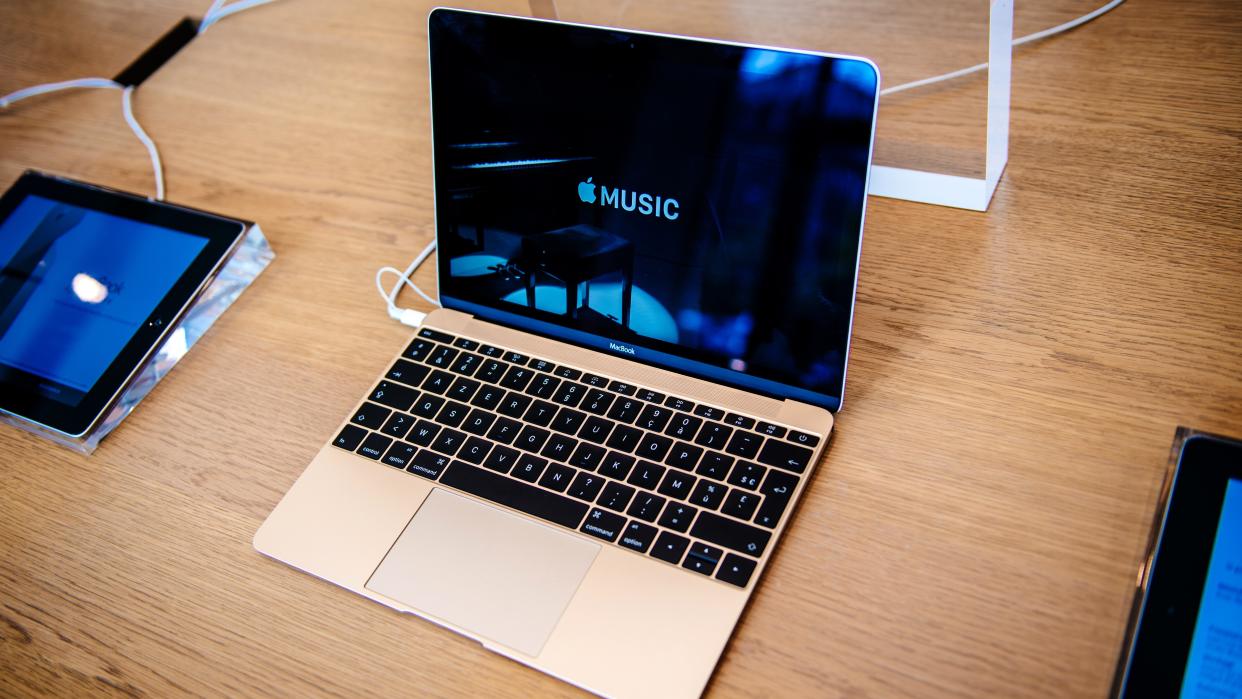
pixel 954 190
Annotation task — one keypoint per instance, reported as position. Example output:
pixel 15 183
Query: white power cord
pixel 408 316
pixel 1016 42
pixel 127 108
pixel 219 11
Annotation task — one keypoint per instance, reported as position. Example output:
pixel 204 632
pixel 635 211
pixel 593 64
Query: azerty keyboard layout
pixel 657 474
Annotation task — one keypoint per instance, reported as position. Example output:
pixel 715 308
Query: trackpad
pixel 485 570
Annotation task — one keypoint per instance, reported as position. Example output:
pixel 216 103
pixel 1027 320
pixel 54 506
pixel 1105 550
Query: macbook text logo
pixel 625 200
pixel 620 348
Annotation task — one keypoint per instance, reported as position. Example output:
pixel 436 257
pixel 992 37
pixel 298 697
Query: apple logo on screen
pixel 586 191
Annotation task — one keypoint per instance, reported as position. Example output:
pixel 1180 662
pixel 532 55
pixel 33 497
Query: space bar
pixel 516 494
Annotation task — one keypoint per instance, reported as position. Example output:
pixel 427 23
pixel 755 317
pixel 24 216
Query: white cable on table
pixel 1016 42
pixel 219 11
pixel 24 93
pixel 408 316
pixel 127 107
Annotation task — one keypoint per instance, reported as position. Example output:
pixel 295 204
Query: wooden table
pixel 1016 378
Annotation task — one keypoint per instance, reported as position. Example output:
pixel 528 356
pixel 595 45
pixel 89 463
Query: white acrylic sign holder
pixel 954 190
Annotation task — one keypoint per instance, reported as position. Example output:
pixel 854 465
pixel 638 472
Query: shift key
pixel 730 534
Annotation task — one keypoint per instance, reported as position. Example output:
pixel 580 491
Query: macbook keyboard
pixel 689 484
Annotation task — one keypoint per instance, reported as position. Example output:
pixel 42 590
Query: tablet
pixel 1188 637
pixel 91 281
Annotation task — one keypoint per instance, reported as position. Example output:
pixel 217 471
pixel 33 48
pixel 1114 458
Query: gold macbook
pixel 648 253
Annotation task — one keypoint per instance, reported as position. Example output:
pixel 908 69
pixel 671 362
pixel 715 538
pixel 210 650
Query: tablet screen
pixel 75 287
pixel 1214 667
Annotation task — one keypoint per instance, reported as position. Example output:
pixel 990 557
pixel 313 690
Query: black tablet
pixel 1188 637
pixel 91 280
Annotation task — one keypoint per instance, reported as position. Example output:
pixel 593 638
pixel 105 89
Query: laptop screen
pixel 689 204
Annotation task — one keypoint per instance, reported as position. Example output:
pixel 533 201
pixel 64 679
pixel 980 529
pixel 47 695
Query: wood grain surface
pixel 1015 382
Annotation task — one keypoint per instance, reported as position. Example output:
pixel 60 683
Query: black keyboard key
pixel 427 405
pixel 568 421
pixel 531 439
pixel 442 357
pixel 408 373
pixel 424 433
pixel 374 446
pixel 683 426
pixel 654 447
pixel 544 386
pixel 790 457
pixel 646 475
pixel 394 395
pixel 435 335
pixel 542 365
pixel 747 475
pixel 491 351
pixel 568 373
pixel 491 371
pixel 586 486
pixel 558 477
pixel 370 415
pixel 646 507
pixel 515 358
pixel 714 436
pixel 771 430
pixel 670 547
pixel 594 380
pixel 463 389
pixel 534 501
pixel 466 344
pixel 638 536
pixel 398 425
pixel 399 455
pixel 616 496
pixel 488 397
pixel 454 414
pixel 684 456
pixel 428 464
pixel 516 378
pixel 744 444
pixel 559 447
pixel 778 489
pixel 449 441
pixel 740 504
pixel 478 422
pixel 654 418
pixel 350 437
pixel 616 465
pixel 501 459
pixel 806 440
pixel 504 431
pixel 708 494
pixel 475 450
pixel 740 421
pixel 624 438
pixel 588 456
pixel 529 468
pixel 570 393
pixel 625 409
pixel 679 404
pixel 604 525
pixel 466 364
pixel 596 401
pixel 438 382
pixel 714 465
pixel 646 394
pixel 702 558
pixel 730 534
pixel 541 413
pixel 708 412
pixel 418 349
pixel 677 485
pixel 624 389
pixel 736 570
pixel 514 404
pixel 595 429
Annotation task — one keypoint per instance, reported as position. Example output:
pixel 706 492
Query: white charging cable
pixel 1016 42
pixel 407 316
